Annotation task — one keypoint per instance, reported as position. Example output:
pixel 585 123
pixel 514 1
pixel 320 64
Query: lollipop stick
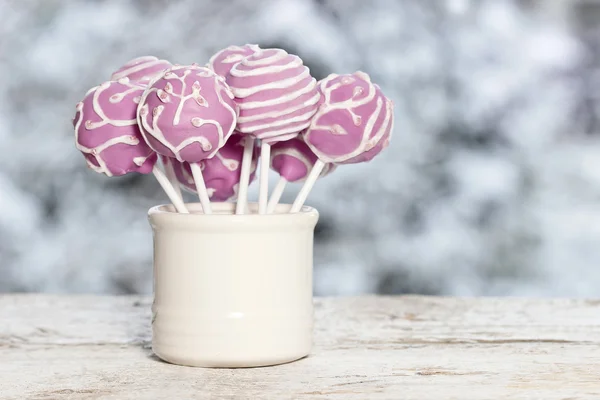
pixel 168 188
pixel 308 185
pixel 276 195
pixel 170 172
pixel 263 194
pixel 245 176
pixel 201 188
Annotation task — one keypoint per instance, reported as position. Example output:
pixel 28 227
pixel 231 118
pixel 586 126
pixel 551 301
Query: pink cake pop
pixel 221 173
pixel 353 124
pixel 277 97
pixel 354 121
pixel 188 113
pixel 222 61
pixel 107 134
pixel 141 69
pixel 293 161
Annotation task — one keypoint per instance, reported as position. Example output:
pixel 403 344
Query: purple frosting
pixel 293 160
pixel 188 113
pixel 106 130
pixel 354 120
pixel 221 173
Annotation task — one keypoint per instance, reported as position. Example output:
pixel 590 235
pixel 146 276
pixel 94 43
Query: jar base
pixel 266 361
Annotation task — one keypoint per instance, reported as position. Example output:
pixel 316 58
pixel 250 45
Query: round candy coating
pixel 221 173
pixel 188 113
pixel 293 160
pixel 276 95
pixel 222 61
pixel 141 69
pixel 354 120
pixel 106 130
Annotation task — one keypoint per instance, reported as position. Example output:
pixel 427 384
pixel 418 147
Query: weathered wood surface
pixel 86 347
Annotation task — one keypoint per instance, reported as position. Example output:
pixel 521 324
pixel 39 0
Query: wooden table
pixel 87 347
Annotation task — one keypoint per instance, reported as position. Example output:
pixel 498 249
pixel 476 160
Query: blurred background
pixel 491 184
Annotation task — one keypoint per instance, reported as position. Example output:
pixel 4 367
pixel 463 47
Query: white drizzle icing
pixel 280 122
pixel 295 62
pixel 228 163
pixel 232 58
pixel 139 161
pixel 282 84
pixel 287 130
pixel 273 114
pixel 277 55
pixel 284 99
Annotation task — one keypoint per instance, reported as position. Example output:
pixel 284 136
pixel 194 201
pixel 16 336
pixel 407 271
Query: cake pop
pixel 188 114
pixel 293 161
pixel 221 173
pixel 141 69
pixel 353 124
pixel 107 134
pixel 277 98
pixel 222 62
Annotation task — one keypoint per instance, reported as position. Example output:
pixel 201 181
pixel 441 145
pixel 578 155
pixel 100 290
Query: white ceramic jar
pixel 232 290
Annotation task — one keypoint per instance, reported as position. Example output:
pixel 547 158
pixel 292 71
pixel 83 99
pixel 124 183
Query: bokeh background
pixel 491 185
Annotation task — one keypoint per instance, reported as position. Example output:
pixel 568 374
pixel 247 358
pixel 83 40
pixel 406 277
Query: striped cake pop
pixel 277 98
pixel 107 134
pixel 222 62
pixel 188 114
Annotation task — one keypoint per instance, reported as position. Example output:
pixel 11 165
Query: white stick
pixel 245 176
pixel 265 161
pixel 201 188
pixel 308 185
pixel 170 172
pixel 168 188
pixel 276 195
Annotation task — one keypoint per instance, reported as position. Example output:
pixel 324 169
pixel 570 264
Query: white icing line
pixel 259 60
pixel 284 99
pixel 294 63
pixel 276 113
pixel 280 122
pixel 282 84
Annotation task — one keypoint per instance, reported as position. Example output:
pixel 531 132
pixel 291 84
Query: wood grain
pixel 89 347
